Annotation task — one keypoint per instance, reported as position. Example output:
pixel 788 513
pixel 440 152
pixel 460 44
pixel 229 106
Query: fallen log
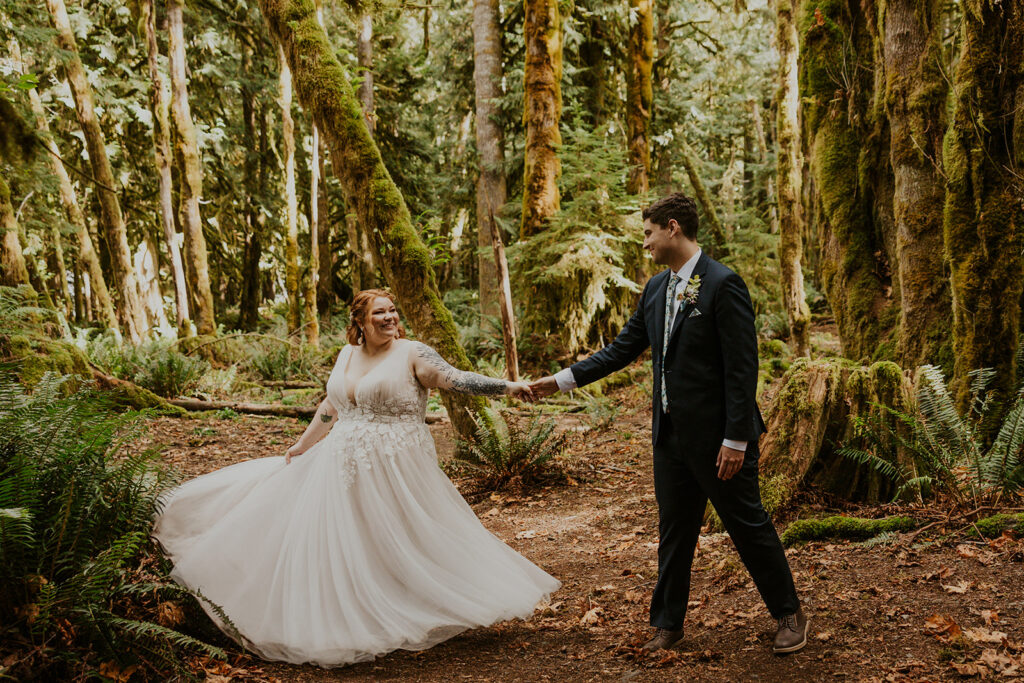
pixel 276 409
pixel 291 384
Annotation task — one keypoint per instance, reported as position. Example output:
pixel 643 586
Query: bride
pixel 355 543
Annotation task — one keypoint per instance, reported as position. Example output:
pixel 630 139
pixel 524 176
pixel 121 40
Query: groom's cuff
pixel 729 443
pixel 565 380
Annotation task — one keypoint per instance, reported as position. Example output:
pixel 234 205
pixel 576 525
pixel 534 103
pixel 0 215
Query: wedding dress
pixel 357 547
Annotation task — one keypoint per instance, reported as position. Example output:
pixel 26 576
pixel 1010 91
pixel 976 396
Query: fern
pixel 505 451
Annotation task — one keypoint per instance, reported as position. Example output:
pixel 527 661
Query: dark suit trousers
pixel 684 480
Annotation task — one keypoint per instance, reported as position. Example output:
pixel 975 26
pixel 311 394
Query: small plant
pixel 510 452
pixel 278 360
pixel 599 411
pixel 75 518
pixel 155 365
pixel 948 452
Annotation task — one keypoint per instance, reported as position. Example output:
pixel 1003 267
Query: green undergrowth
pixel 994 526
pixel 843 528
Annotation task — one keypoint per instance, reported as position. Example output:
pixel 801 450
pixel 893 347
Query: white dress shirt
pixel 567 382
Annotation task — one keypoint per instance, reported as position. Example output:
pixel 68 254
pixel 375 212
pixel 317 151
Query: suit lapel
pixel 684 311
pixel 659 312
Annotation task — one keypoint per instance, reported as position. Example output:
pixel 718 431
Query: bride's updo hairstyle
pixel 359 312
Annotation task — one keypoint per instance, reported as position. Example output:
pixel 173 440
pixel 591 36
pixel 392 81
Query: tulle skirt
pixel 358 547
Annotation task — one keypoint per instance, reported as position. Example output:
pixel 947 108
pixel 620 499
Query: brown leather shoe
pixel 663 639
pixel 792 633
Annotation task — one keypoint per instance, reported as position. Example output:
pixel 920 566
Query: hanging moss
pixel 843 528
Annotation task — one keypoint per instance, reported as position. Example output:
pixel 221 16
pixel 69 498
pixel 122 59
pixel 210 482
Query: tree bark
pixel 13 269
pixel 490 144
pixel 162 153
pixel 291 243
pixel 325 280
pixel 249 303
pixel 324 89
pixel 542 113
pixel 691 162
pixel 788 171
pixel 363 273
pixel 508 318
pixel 837 87
pixel 134 317
pixel 640 94
pixel 983 158
pixel 762 154
pixel 191 184
pixel 312 329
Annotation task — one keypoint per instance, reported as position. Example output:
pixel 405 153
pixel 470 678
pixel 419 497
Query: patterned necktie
pixel 669 295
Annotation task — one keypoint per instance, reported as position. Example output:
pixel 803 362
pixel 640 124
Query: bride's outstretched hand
pixel 522 391
pixel 292 452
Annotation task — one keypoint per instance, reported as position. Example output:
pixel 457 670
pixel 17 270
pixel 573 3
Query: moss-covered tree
pixel 325 91
pixel 640 94
pixel 788 165
pixel 191 173
pixel 983 222
pixel 129 307
pixel 292 284
pixel 843 135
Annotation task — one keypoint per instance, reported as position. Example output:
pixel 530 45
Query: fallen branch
pixel 290 384
pixel 277 409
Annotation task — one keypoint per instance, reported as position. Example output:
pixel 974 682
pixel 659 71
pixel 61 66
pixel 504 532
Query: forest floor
pixel 940 609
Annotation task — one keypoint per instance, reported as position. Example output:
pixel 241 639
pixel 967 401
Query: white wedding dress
pixel 357 547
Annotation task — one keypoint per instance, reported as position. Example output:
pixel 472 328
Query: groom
pixel 698 321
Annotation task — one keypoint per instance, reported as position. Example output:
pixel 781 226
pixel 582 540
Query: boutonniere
pixel 690 291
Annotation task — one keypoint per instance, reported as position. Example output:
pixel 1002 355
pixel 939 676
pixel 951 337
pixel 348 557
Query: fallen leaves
pixel 943 627
pixel 958 588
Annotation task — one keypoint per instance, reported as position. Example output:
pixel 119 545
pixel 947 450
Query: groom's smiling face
pixel 661 241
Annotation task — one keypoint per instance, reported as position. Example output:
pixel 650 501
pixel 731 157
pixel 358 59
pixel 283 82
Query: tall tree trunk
pixel 134 316
pixel 291 243
pixel 86 250
pixel 490 143
pixel 788 165
pixel 191 183
pixel 312 329
pixel 162 153
pixel 325 279
pixel 542 113
pixel 363 274
pixel 915 99
pixel 762 152
pixel 76 269
pixel 13 269
pixel 837 89
pixel 324 89
pixel 640 94
pixel 249 303
pixel 691 162
pixel 983 155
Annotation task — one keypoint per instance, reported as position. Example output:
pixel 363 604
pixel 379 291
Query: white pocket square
pixel 694 313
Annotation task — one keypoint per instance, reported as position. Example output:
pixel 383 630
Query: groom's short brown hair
pixel 678 206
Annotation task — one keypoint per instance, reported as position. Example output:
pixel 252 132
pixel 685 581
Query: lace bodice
pixel 387 393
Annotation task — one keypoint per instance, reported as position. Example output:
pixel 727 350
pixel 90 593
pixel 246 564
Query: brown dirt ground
pixel 882 613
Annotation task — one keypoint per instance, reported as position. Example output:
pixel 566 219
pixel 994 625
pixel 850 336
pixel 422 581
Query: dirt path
pixel 885 613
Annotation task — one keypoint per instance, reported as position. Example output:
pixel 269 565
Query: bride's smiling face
pixel 381 323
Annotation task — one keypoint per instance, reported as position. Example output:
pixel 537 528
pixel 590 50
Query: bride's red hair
pixel 360 310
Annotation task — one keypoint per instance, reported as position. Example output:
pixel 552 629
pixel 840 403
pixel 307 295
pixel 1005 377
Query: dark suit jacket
pixel 711 364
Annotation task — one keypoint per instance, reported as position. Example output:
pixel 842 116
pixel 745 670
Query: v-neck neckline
pixel 344 375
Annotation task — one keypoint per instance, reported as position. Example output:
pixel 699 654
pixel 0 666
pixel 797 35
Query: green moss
pixel 994 526
pixel 34 356
pixel 843 528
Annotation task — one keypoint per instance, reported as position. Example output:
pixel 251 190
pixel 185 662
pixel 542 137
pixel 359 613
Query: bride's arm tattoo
pixel 460 381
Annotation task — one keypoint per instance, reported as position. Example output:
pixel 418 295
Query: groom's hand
pixel 729 462
pixel 545 386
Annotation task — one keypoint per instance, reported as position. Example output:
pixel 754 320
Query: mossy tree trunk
pixel 325 91
pixel 915 102
pixel 86 250
pixel 191 186
pixel 364 275
pixel 162 152
pixel 13 270
pixel 491 192
pixel 640 95
pixel 810 417
pixel 983 158
pixel 130 308
pixel 309 301
pixel 291 218
pixel 842 132
pixel 325 281
pixel 542 113
pixel 788 166
pixel 691 162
